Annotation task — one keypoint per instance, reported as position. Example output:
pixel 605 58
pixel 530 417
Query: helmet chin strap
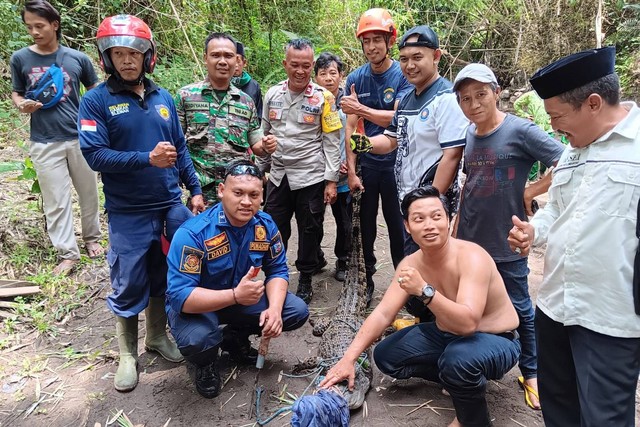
pixel 135 82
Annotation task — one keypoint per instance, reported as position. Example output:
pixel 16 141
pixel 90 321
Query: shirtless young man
pixel 473 339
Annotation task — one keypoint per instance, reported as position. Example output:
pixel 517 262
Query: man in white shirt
pixel 587 332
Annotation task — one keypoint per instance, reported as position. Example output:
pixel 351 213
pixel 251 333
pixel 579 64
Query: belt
pixel 510 335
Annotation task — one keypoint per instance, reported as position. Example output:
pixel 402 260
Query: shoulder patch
pixel 191 260
pixel 330 117
pixel 276 245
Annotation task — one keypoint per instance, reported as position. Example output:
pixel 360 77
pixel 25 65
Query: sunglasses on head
pixel 243 170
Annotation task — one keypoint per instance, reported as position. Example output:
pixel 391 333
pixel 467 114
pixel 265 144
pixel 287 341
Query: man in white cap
pixel 500 150
pixel 588 333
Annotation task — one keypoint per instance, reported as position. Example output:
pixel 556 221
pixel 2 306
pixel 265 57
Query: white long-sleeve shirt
pixel 589 225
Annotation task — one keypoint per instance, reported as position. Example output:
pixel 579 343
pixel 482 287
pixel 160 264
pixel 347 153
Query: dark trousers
pixel 585 379
pixel 380 184
pixel 461 364
pixel 196 334
pixel 341 210
pixel 138 268
pixel 308 205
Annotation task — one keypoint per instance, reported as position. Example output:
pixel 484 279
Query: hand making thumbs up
pixel 249 291
pixel 521 236
pixel 350 103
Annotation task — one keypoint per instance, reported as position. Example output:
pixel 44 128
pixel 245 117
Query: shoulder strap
pixel 60 55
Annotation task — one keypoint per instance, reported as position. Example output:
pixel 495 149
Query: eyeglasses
pixel 243 169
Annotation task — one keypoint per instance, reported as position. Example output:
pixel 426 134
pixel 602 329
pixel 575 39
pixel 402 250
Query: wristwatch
pixel 427 294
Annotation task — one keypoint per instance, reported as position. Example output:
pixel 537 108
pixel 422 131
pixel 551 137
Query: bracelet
pixel 233 290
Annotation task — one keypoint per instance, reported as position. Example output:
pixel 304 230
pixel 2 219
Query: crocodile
pixel 338 331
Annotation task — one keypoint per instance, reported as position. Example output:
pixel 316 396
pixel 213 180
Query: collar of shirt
pixel 307 92
pixel 223 222
pixel 115 86
pixel 627 127
pixel 205 86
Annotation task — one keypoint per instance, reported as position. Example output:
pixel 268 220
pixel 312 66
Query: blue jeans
pixel 461 364
pixel 514 275
pixel 198 333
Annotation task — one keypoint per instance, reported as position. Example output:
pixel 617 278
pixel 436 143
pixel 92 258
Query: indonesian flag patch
pixel 88 125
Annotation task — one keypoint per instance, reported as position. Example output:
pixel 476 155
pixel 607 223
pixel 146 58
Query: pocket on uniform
pixel 308 118
pixel 114 267
pixel 623 186
pixel 558 190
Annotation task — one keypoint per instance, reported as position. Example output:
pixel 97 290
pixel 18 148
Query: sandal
pixel 528 390
pixel 94 249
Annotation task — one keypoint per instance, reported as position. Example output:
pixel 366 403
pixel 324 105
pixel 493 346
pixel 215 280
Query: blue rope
pixel 260 422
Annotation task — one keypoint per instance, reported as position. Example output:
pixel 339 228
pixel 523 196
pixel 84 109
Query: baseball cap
pixel 573 71
pixel 426 38
pixel 477 72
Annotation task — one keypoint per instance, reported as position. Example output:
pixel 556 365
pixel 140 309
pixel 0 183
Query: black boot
pixel 370 287
pixel 305 291
pixel 236 343
pixel 205 375
pixel 341 271
pixel 322 263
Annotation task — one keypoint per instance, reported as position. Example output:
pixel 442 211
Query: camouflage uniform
pixel 217 131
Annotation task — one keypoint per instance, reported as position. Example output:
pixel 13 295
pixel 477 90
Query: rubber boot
pixel 126 377
pixel 156 328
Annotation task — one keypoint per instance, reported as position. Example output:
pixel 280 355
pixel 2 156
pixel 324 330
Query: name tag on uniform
pixel 239 112
pixel 259 246
pixel 217 253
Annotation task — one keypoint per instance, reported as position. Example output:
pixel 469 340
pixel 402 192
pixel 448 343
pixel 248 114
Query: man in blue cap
pixel 588 334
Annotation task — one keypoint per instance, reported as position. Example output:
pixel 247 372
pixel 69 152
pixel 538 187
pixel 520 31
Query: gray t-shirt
pixel 58 123
pixel 497 166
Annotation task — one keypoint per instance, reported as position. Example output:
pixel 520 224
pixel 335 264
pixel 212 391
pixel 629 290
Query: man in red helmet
pixel 130 132
pixel 372 93
pixel 54 147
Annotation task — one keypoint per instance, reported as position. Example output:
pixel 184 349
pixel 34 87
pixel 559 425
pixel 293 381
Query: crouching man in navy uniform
pixel 213 261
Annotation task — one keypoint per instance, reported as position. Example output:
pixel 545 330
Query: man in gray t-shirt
pixel 54 149
pixel 500 150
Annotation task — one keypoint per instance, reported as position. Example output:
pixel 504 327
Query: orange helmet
pixel 376 20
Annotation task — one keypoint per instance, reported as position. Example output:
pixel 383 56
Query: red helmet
pixel 376 20
pixel 125 31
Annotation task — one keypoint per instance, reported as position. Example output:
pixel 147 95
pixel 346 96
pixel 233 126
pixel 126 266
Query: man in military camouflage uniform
pixel 220 121
pixel 306 163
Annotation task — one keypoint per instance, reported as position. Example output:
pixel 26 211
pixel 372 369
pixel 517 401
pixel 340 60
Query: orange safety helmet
pixel 125 31
pixel 376 20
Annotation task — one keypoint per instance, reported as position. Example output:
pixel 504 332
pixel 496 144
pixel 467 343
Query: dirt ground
pixel 68 380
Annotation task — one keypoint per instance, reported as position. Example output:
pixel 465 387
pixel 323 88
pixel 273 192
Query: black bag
pixel 50 87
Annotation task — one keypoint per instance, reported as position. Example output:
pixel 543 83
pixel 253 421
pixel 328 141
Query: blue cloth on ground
pixel 323 409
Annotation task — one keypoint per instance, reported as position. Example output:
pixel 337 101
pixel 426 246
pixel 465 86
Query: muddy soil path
pixel 68 380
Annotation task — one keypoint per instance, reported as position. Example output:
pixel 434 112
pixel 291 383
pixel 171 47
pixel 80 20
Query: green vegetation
pixel 513 37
